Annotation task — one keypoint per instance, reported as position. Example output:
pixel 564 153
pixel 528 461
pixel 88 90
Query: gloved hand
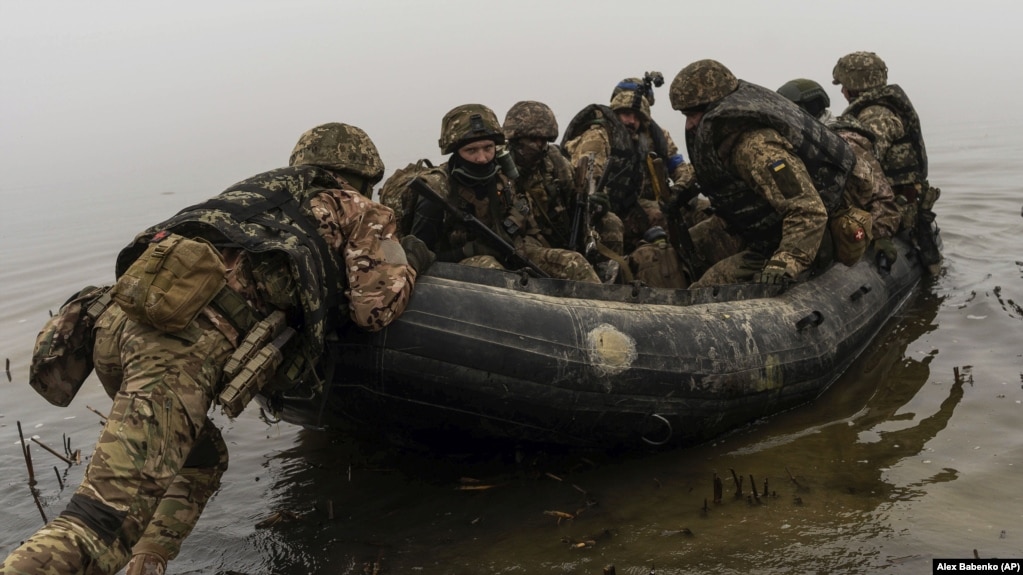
pixel 885 247
pixel 600 204
pixel 419 256
pixel 773 273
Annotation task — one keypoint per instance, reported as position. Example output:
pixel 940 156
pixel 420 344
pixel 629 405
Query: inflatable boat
pixel 482 355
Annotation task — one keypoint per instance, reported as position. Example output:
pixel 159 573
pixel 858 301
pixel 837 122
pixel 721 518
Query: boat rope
pixel 667 437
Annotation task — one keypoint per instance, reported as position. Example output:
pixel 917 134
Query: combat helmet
pixel 631 93
pixel 700 83
pixel 806 94
pixel 340 147
pixel 529 119
pixel 860 71
pixel 468 122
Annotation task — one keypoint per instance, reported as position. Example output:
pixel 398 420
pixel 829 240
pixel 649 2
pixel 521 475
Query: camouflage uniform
pixel 547 177
pixel 868 188
pixel 486 192
pixel 597 130
pixel 886 111
pixel 159 458
pixel 772 173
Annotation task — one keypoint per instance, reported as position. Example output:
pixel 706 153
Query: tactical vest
pixel 827 157
pixel 906 159
pixel 269 213
pixel 550 184
pixel 623 175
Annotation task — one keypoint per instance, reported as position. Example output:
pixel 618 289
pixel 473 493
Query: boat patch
pixel 611 351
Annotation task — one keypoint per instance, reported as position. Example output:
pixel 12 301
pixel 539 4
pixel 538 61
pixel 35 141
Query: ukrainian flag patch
pixel 777 166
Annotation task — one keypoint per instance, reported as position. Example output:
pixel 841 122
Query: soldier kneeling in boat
pixel 770 171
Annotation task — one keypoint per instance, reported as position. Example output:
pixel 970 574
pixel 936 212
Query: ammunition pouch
pixel 171 282
pixel 62 356
pixel 254 362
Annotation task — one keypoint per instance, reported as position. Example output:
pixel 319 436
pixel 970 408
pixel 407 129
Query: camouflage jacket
pixel 500 206
pixel 550 185
pixel 888 113
pixel 825 157
pixel 868 188
pixel 310 239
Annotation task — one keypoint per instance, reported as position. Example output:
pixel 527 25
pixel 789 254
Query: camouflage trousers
pixel 158 460
pixel 725 256
pixel 642 216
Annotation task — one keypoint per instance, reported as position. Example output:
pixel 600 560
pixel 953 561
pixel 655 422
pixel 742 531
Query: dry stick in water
pixel 59 480
pixel 39 505
pixel 738 484
pixel 103 417
pixel 753 488
pixel 28 457
pixel 47 448
pixel 718 488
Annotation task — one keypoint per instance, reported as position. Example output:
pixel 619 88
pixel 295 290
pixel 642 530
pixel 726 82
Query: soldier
pixel 868 188
pixel 473 181
pixel 547 177
pixel 886 111
pixel 772 173
pixel 298 249
pixel 623 136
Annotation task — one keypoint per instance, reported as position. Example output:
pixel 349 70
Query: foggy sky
pixel 200 94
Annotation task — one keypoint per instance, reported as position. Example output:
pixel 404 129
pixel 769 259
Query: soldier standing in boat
pixel 473 182
pixel 868 188
pixel 772 173
pixel 886 111
pixel 291 254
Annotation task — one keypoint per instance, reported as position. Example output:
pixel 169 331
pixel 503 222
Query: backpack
pixel 62 355
pixel 657 265
pixel 397 195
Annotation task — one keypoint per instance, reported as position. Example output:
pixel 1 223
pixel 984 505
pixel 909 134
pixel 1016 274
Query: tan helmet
pixel 701 83
pixel 529 119
pixel 631 93
pixel 341 147
pixel 860 71
pixel 468 122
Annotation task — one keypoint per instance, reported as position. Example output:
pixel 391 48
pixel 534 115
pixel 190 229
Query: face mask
pixel 470 174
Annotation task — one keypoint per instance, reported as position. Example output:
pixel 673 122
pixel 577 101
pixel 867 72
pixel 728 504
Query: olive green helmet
pixel 340 147
pixel 701 83
pixel 631 93
pixel 468 122
pixel 860 71
pixel 806 94
pixel 529 119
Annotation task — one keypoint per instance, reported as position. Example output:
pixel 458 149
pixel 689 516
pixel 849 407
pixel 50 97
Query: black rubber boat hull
pixel 482 354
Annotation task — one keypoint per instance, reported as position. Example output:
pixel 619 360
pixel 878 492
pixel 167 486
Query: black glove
pixel 600 204
pixel 773 273
pixel 419 256
pixel 885 247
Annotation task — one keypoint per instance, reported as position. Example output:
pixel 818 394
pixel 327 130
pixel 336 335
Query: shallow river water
pixel 916 453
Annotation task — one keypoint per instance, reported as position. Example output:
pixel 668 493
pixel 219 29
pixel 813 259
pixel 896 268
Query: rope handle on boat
pixel 815 318
pixel 856 295
pixel 667 437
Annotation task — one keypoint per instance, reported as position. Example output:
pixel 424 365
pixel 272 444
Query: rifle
pixel 678 233
pixel 423 189
pixel 581 214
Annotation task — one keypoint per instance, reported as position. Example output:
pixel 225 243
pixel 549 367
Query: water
pixel 915 453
